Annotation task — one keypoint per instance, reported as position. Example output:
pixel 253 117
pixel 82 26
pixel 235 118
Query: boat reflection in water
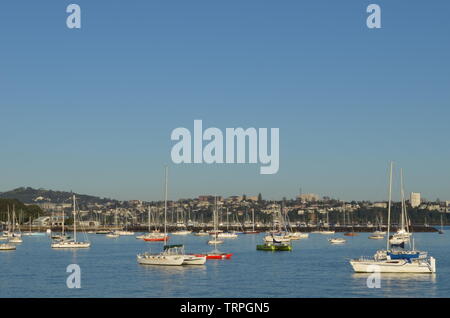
pixel 398 284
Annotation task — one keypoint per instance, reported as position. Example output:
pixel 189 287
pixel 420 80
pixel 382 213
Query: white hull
pixel 71 245
pixel 124 233
pixel 337 241
pixel 270 239
pixel 160 259
pixel 227 235
pixel 298 235
pixel 194 260
pixel 212 242
pixel 376 237
pixel 394 266
pixel 181 232
pixel 201 234
pixel 7 247
pixel 112 235
pixel 151 236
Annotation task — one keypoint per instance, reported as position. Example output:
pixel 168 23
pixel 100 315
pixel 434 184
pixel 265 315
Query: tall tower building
pixel 414 199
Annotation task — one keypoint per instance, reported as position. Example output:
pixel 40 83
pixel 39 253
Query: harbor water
pixel 314 268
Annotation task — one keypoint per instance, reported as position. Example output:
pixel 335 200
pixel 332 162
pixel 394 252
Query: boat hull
pixel 194 260
pixel 219 256
pixel 271 248
pixel 71 245
pixel 394 266
pixel 161 260
pixel 7 247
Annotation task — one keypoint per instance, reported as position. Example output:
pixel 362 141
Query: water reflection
pixel 401 284
pixel 170 270
pixel 394 277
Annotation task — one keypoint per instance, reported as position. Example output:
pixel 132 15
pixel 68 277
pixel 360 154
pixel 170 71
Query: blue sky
pixel 92 110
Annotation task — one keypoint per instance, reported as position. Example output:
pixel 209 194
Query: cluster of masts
pixel 400 255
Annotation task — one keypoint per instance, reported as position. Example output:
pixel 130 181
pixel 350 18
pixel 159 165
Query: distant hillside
pixel 30 196
pixel 23 212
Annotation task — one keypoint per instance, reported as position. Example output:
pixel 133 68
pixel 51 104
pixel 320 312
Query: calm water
pixel 313 269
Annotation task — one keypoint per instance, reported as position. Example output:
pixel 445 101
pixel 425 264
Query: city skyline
pixel 92 110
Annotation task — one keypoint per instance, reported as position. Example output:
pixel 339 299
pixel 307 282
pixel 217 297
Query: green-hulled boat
pixel 274 247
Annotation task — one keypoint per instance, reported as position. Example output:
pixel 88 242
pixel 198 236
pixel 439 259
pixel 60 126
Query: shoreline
pixel 337 229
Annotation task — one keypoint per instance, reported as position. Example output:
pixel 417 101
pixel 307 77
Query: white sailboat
pixel 114 234
pixel 227 234
pixel 278 236
pixel 337 240
pixel 152 236
pixel 215 232
pixel 15 237
pixel 7 247
pixel 71 243
pixel 169 256
pixel 124 232
pixel 392 261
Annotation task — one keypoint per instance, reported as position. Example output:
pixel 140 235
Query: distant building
pixel 308 197
pixel 209 198
pixel 48 206
pixel 414 199
pixel 41 221
pixel 380 205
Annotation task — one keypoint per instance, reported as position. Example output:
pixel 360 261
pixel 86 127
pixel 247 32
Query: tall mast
pixel 389 206
pixel 253 218
pixel 227 220
pixel 402 218
pixel 9 221
pixel 216 229
pixel 62 232
pixel 165 207
pixel 74 220
pixel 148 219
pixel 14 218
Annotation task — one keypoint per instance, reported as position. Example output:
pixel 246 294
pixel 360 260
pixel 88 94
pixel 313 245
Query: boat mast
pixel 62 231
pixel 9 222
pixel 74 221
pixel 253 219
pixel 402 219
pixel 227 220
pixel 14 219
pixel 216 228
pixel 389 207
pixel 165 207
pixel 148 219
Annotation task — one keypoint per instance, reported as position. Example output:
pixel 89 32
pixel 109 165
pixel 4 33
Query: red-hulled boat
pixel 156 238
pixel 216 255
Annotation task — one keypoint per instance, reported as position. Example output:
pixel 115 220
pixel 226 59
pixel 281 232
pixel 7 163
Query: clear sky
pixel 92 110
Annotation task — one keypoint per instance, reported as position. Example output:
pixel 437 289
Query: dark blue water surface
pixel 314 268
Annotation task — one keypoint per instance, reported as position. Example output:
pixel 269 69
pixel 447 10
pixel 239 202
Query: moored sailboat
pixel 71 243
pixel 172 255
pixel 395 261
